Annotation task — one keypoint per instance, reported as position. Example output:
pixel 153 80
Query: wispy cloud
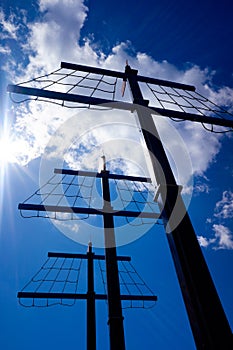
pixel 224 208
pixel 205 242
pixel 9 28
pixel 5 49
pixel 222 236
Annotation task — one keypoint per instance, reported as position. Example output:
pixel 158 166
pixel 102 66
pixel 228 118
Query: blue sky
pixel 183 41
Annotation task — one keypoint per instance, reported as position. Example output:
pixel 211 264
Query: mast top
pixel 104 162
pixel 89 249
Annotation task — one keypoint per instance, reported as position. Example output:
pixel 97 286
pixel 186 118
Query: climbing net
pixel 57 275
pixel 71 197
pixel 131 284
pixel 60 279
pixel 181 100
pixel 136 196
pixel 66 83
pixel 60 195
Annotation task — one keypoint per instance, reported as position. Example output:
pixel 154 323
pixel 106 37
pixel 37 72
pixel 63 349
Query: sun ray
pixel 8 150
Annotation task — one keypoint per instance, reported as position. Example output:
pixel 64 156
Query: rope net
pixel 136 196
pixel 68 82
pixel 69 275
pixel 131 283
pixel 76 82
pixel 66 191
pixel 187 102
pixel 57 275
pixel 63 195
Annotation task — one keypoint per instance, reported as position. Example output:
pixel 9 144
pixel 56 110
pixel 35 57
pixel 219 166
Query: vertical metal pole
pixel 208 322
pixel 115 321
pixel 91 320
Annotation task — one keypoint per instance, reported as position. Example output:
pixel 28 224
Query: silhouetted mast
pixel 207 318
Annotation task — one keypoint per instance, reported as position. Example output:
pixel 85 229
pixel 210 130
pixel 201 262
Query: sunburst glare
pixel 8 150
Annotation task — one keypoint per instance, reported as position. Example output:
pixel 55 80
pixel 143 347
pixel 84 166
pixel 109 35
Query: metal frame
pixel 208 321
pixel 113 296
pixel 90 296
pixel 48 94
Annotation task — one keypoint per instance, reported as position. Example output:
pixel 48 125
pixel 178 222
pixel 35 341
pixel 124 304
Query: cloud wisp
pixel 222 237
pixel 9 28
pixel 224 208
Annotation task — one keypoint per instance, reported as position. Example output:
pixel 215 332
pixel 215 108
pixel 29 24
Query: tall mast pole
pixel 115 317
pixel 207 318
pixel 208 322
pixel 91 318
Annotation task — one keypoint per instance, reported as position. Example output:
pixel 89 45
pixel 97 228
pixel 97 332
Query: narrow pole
pixel 91 322
pixel 208 321
pixel 115 317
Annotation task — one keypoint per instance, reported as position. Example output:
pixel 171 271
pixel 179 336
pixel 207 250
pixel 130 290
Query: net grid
pixel 139 197
pixel 66 190
pixel 57 275
pixel 66 275
pixel 106 87
pixel 188 102
pixel 72 192
pixel 71 82
pixel 131 283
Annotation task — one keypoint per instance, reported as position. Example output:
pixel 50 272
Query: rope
pixel 63 275
pixel 102 269
pixel 60 275
pixel 81 83
pixel 96 85
pixel 189 101
pixel 71 191
pixel 136 196
pixel 131 283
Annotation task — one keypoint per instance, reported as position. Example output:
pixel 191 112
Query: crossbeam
pixel 191 117
pixel 84 256
pixel 89 100
pixel 91 211
pixel 82 296
pixel 54 95
pixel 116 74
pixel 101 175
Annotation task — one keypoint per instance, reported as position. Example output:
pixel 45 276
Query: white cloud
pixel 5 50
pixel 8 26
pixel 222 97
pixel 54 37
pixel 112 133
pixel 203 241
pixel 224 208
pixel 223 237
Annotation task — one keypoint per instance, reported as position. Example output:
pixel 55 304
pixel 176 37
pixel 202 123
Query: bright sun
pixel 7 150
